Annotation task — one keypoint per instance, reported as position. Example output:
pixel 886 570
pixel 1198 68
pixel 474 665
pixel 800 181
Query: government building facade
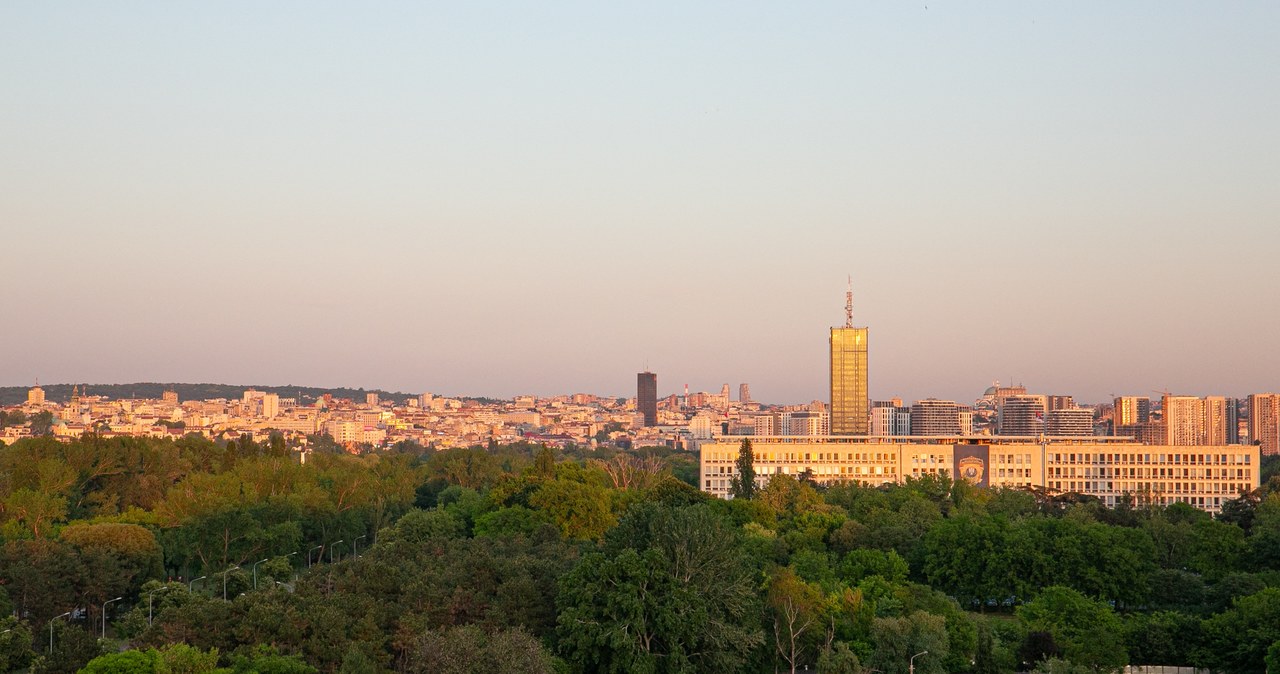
pixel 1204 477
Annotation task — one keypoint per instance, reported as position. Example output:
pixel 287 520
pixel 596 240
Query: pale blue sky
pixel 503 198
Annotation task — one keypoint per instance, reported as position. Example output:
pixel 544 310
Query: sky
pixel 497 198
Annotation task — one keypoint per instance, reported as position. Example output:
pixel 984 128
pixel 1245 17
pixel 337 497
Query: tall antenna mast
pixel 848 304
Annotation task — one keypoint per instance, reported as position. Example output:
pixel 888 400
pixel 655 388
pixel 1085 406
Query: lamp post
pixel 318 547
pixel 104 615
pixel 331 547
pixel 51 621
pixel 353 545
pixel 191 586
pixel 149 596
pixel 911 664
pixel 224 581
pixel 255 572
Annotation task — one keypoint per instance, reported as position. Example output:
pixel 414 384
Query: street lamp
pixel 191 587
pixel 149 596
pixel 255 572
pixel 104 615
pixel 331 547
pixel 911 664
pixel 51 621
pixel 321 557
pixel 353 545
pixel 224 581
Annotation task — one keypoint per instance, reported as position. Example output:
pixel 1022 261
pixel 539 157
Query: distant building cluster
pixel 1199 451
pixel 372 423
pixel 1181 448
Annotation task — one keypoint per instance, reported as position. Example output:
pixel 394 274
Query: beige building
pixel 1191 421
pixel 1108 468
pixel 1264 422
pixel 1183 420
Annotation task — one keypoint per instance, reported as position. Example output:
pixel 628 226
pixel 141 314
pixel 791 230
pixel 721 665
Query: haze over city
pixel 499 200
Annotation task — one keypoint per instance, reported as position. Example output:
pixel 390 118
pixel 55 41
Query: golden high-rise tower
pixel 850 406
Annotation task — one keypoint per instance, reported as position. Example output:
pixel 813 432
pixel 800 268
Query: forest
pixel 191 556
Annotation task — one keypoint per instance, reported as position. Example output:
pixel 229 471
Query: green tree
pixel 984 658
pixel 1237 640
pixel 127 662
pixel 967 557
pixel 1273 657
pixel 1087 631
pixel 266 660
pixel 544 463
pixel 581 511
pixel 184 659
pixel 1162 638
pixel 15 644
pixel 839 659
pixel 897 639
pixel 671 591
pixel 470 650
pixel 743 484
pixel 799 616
pixel 35 511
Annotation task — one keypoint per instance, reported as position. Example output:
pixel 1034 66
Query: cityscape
pixel 640 338
pixel 1202 451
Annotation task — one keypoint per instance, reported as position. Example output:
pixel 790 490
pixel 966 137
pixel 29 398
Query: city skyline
pixel 549 199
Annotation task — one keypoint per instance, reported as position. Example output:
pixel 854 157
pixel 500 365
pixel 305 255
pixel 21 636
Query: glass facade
pixel 850 407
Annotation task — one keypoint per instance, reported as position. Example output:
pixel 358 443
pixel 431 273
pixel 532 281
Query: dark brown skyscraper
pixel 647 397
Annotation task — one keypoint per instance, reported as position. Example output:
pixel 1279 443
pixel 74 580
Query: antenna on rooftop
pixel 848 304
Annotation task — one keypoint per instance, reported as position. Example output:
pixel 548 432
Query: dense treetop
pixel 517 558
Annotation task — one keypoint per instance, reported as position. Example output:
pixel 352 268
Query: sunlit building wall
pixel 1106 468
pixel 850 406
pixel 1264 422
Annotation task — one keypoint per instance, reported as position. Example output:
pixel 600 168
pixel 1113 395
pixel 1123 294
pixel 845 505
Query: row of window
pixel 1174 459
pixel 1156 473
pixel 1086 487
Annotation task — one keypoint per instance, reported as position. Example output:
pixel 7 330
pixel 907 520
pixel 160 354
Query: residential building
pixel 270 405
pixel 647 397
pixel 1021 415
pixel 1128 411
pixel 1075 421
pixel 1217 421
pixel 1264 422
pixel 1059 403
pixel 889 420
pixel 1183 420
pixel 935 417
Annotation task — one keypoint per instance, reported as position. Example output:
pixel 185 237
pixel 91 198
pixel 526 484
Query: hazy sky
pixel 501 198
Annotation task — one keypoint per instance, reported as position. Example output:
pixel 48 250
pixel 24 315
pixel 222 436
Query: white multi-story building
pixel 1075 421
pixel 890 421
pixel 1108 468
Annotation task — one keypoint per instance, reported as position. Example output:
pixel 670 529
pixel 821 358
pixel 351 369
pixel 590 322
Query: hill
pixel 16 395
